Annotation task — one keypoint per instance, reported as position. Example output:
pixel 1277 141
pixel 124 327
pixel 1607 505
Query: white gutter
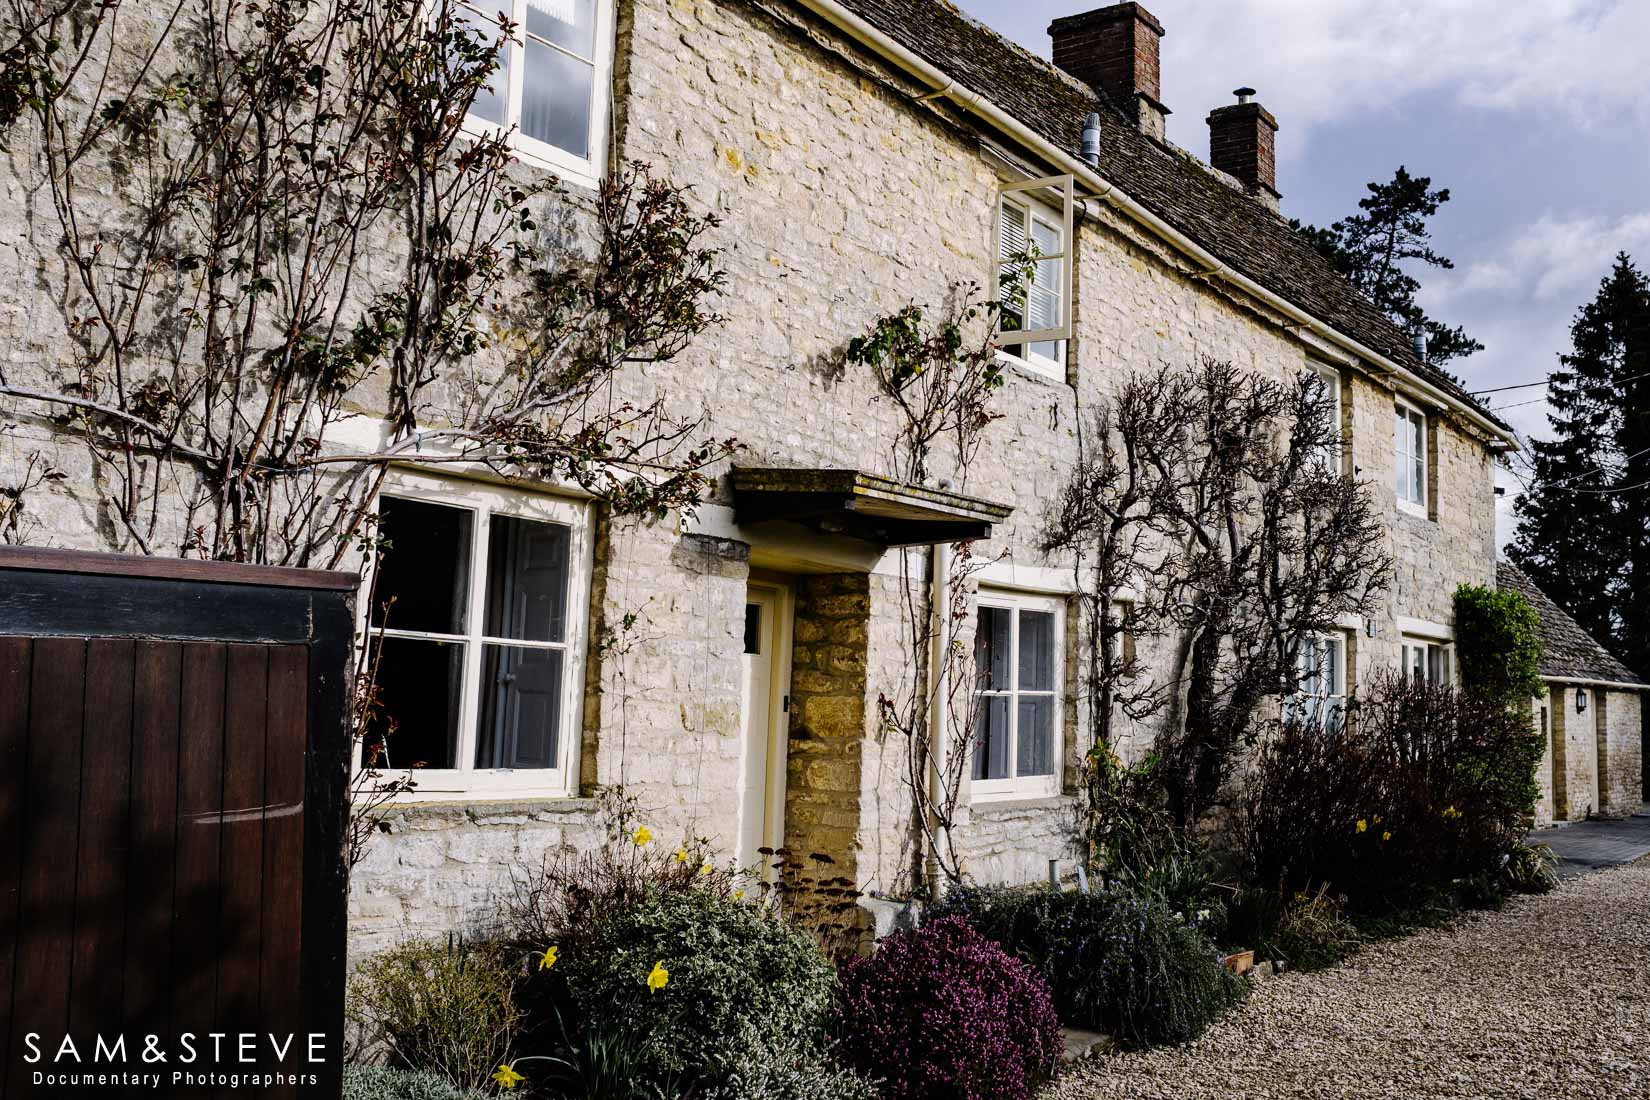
pixel 1576 681
pixel 944 86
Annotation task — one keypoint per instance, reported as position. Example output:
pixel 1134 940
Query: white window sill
pixel 1409 507
pixel 995 791
pixel 575 171
pixel 1043 370
pixel 477 786
pixel 1021 802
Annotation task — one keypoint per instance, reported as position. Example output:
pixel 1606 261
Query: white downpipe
pixel 944 86
pixel 939 717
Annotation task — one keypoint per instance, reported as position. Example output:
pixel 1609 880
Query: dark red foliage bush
pixel 942 1013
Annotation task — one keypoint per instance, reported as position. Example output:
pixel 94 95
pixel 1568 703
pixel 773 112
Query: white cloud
pixel 1555 259
pixel 1317 60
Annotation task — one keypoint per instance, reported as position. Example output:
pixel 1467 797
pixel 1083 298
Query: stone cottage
pixel 1591 720
pixel 863 155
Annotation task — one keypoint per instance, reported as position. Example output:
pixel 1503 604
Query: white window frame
pixel 1335 458
pixel 1032 786
pixel 1023 196
pixel 1410 413
pixel 484 501
pixel 1340 670
pixel 1415 644
pixel 586 171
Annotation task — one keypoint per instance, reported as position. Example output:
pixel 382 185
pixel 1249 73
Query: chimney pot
pixel 1243 143
pixel 1419 342
pixel 1114 50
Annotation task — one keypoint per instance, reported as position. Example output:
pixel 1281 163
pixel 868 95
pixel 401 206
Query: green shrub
pixel 386 1083
pixel 745 988
pixel 1531 869
pixel 811 1077
pixel 1498 644
pixel 1312 932
pixel 1118 962
pixel 1421 790
pixel 442 1007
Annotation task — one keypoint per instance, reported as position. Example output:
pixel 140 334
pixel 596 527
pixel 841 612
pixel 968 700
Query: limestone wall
pixel 1620 748
pixel 843 200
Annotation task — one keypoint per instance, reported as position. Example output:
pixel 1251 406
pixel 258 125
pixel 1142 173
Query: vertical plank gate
pixel 174 755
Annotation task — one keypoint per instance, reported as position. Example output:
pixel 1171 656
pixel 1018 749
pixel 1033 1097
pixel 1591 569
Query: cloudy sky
pixel 1534 113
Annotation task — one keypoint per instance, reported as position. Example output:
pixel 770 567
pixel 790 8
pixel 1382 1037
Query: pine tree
pixel 1370 249
pixel 1584 523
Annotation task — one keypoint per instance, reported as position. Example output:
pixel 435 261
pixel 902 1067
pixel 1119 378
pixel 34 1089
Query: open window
pixel 1017 736
pixel 478 599
pixel 1034 230
pixel 551 85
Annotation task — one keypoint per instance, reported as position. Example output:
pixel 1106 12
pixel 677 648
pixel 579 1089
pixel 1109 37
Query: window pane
pixel 991 739
pixel 489 101
pixel 1333 666
pixel 420 684
pixel 425 566
pixel 992 641
pixel 1418 480
pixel 555 98
pixel 1043 298
pixel 527 580
pixel 520 707
pixel 1036 651
pixel 1035 755
pixel 1047 349
pixel 570 24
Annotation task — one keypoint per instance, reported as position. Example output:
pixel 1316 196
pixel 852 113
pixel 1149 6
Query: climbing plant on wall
pixel 940 371
pixel 1498 644
pixel 283 263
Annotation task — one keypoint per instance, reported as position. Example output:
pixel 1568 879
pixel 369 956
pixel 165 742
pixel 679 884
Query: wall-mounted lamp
pixel 1369 628
pixel 1581 700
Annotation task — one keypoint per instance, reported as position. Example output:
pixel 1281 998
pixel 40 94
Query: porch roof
pixel 861 505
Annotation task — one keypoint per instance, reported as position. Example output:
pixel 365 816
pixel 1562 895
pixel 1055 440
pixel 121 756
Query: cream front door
pixel 764 675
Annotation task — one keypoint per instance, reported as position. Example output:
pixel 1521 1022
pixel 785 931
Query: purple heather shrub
pixel 942 1013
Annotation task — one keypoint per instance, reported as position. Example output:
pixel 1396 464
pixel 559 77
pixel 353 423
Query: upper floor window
pixel 551 82
pixel 1428 662
pixel 1334 453
pixel 1320 694
pixel 1410 458
pixel 479 598
pixel 1017 698
pixel 1036 318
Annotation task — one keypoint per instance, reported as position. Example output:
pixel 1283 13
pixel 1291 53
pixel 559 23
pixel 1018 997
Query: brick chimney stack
pixel 1243 143
pixel 1115 51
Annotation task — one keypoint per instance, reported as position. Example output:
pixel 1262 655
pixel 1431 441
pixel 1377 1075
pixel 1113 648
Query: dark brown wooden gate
pixel 173 761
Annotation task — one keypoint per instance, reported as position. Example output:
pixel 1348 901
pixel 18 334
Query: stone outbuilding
pixel 1592 718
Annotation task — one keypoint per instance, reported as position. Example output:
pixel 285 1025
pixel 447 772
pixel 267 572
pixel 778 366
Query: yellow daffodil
pixel 641 836
pixel 658 977
pixel 681 855
pixel 507 1078
pixel 705 870
pixel 739 895
pixel 1386 836
pixel 548 959
pixel 1362 825
pixel 1376 819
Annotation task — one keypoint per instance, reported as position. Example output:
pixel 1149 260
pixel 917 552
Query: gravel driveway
pixel 1548 998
